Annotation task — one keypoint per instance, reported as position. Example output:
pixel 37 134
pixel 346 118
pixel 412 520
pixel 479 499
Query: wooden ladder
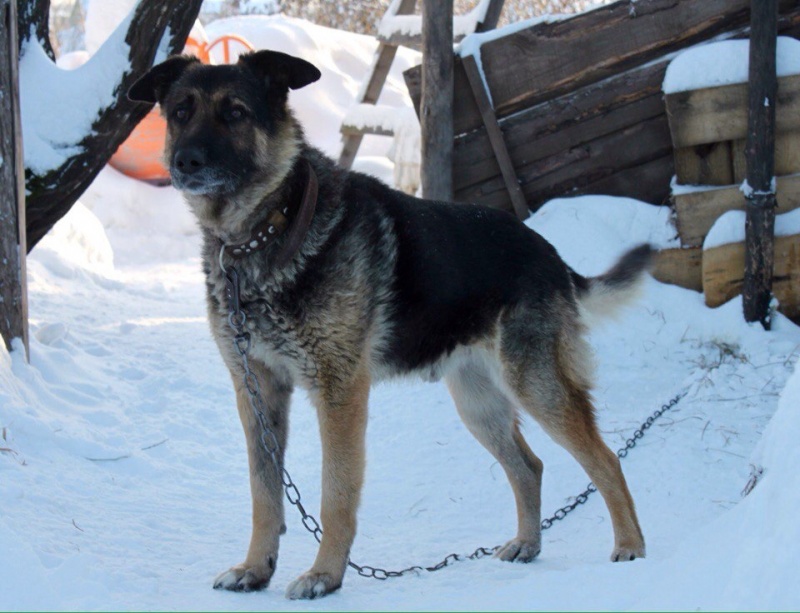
pixel 388 41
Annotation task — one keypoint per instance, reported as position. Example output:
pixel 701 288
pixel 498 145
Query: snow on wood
pixel 52 138
pixel 378 119
pixel 729 228
pixel 410 26
pixel 724 63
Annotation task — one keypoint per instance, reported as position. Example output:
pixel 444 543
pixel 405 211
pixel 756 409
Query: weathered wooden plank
pixel 496 139
pixel 648 182
pixel 709 164
pixel 696 212
pixel 13 276
pixel 681 267
pixel 563 123
pixel 550 59
pixel 717 114
pixel 585 164
pixel 723 273
pixel 787 156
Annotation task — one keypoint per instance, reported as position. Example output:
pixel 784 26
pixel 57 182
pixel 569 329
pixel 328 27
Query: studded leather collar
pixel 296 219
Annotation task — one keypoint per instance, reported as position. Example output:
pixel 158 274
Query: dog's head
pixel 228 126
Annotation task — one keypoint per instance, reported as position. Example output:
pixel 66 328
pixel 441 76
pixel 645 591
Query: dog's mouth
pixel 207 182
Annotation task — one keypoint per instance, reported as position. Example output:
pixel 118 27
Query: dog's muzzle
pixel 192 173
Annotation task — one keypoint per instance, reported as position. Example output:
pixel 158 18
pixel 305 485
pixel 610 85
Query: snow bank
pixel 724 63
pixel 78 240
pixel 610 225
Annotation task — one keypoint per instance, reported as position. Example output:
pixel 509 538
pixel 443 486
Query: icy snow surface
pixel 123 473
pixel 723 63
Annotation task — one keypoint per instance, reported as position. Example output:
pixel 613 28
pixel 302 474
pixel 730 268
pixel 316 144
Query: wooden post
pixel 496 137
pixel 492 16
pixel 760 154
pixel 436 107
pixel 13 290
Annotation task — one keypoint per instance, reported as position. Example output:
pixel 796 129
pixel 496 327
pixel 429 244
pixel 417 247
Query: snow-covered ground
pixel 123 477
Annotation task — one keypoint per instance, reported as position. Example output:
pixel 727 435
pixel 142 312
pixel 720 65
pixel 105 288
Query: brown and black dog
pixel 375 284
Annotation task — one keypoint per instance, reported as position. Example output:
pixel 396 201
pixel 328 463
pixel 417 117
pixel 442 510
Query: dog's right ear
pixel 155 83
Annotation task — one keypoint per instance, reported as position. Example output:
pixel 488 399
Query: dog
pixel 345 281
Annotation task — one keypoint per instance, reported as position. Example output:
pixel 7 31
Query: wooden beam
pixel 718 114
pixel 492 16
pixel 760 153
pixel 13 277
pixel 436 117
pixel 496 138
pixel 681 267
pixel 723 268
pixel 696 212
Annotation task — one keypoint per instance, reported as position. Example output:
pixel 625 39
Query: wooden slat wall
pixel 580 108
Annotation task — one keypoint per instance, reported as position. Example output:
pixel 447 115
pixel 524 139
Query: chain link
pixel 269 441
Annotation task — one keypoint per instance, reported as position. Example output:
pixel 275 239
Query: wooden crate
pixel 723 273
pixel 709 126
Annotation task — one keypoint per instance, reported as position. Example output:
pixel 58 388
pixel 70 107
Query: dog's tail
pixel 601 297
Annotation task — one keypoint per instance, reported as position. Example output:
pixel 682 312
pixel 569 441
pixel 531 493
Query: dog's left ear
pixel 155 83
pixel 280 70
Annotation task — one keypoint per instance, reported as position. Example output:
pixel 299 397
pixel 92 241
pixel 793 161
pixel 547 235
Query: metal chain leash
pixel 241 343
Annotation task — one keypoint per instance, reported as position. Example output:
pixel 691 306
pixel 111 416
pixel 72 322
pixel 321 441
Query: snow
pixel 52 138
pixel 123 472
pixel 724 63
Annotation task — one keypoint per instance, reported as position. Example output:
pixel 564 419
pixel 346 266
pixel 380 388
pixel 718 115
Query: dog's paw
pixel 519 550
pixel 242 578
pixel 626 554
pixel 312 585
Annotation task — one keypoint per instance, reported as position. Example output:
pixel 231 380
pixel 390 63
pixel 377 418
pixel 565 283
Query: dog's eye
pixel 234 114
pixel 181 114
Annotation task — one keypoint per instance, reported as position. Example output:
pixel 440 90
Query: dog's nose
pixel 189 160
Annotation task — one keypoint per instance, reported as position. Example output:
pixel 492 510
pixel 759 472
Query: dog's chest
pixel 275 331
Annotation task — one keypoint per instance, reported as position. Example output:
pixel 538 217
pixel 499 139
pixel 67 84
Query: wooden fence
pixel 579 101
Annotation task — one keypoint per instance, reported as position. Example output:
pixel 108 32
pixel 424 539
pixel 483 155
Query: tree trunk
pixel 13 294
pixel 51 195
pixel 436 109
pixel 760 154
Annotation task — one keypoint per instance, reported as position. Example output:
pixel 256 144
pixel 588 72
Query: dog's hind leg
pixel 265 483
pixel 549 376
pixel 491 417
pixel 342 411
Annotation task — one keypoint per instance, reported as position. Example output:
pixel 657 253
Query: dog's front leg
pixel 265 483
pixel 342 414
